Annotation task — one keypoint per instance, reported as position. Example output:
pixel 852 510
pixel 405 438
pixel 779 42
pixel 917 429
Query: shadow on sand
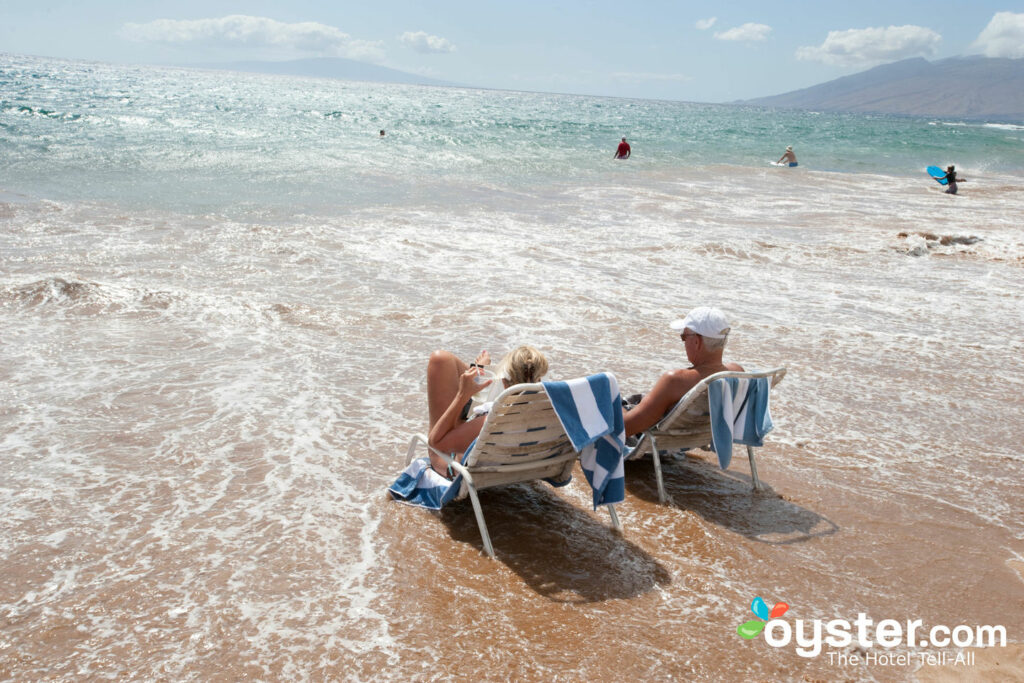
pixel 559 550
pixel 728 500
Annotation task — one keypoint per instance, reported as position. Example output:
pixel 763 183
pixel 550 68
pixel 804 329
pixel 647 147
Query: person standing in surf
pixel 789 157
pixel 951 180
pixel 624 151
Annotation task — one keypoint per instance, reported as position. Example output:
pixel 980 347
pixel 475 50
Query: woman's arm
pixel 448 434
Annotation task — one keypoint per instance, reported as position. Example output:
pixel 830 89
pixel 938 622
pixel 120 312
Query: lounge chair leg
pixel 615 517
pixel 412 447
pixel 488 548
pixel 657 471
pixel 753 469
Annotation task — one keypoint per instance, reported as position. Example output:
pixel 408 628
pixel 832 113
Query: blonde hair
pixel 524 365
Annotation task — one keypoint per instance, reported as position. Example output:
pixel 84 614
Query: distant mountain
pixel 961 87
pixel 326 67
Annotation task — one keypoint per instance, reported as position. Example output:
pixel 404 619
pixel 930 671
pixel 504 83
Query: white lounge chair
pixel 521 440
pixel 688 425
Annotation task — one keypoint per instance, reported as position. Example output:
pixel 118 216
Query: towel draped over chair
pixel 590 410
pixel 740 413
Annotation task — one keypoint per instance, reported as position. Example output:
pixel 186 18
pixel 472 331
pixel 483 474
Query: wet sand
pixel 988 664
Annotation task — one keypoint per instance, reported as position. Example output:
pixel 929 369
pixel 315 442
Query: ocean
pixel 219 291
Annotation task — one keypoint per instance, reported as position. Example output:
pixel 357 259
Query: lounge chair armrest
pixel 450 459
pixel 460 468
pixel 420 438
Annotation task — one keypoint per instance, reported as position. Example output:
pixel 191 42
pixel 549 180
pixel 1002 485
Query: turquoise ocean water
pixel 196 140
pixel 218 293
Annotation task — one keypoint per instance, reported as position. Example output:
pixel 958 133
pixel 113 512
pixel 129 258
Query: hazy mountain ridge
pixel 326 67
pixel 960 87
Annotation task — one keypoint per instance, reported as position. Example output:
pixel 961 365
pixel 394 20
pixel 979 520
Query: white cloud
pixel 647 76
pixel 705 24
pixel 239 30
pixel 868 46
pixel 423 42
pixel 1003 37
pixel 748 32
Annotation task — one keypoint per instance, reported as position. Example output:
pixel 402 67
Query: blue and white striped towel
pixel 740 413
pixel 590 411
pixel 420 485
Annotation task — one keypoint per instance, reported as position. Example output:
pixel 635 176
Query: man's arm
pixel 669 388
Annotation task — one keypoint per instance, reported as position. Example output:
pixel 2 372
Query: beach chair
pixel 689 425
pixel 522 439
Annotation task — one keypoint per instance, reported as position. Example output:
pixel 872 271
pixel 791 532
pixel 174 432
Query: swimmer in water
pixel 789 157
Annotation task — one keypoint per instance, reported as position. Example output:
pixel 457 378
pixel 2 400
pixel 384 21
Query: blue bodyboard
pixel 937 173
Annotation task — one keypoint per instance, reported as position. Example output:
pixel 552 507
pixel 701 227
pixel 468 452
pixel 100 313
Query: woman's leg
pixel 443 371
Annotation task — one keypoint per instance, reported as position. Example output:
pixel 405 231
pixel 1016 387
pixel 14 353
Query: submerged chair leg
pixel 615 517
pixel 753 469
pixel 488 548
pixel 657 471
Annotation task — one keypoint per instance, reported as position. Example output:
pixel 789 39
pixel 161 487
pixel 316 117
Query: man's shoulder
pixel 680 381
pixel 683 374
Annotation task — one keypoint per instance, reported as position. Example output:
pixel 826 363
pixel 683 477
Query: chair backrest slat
pixel 528 407
pixel 498 455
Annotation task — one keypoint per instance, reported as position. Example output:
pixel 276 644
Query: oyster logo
pixel 811 635
pixel 753 628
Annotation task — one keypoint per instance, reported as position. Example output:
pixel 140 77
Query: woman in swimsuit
pixel 451 385
pixel 951 179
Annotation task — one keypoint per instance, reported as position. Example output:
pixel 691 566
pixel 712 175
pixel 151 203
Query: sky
pixel 658 49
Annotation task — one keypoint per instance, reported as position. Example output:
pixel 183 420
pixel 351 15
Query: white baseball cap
pixel 706 321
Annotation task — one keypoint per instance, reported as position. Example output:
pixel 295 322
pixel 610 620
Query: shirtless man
pixel 788 157
pixel 704 332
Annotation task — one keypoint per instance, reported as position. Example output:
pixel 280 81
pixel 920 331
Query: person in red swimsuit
pixel 623 151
